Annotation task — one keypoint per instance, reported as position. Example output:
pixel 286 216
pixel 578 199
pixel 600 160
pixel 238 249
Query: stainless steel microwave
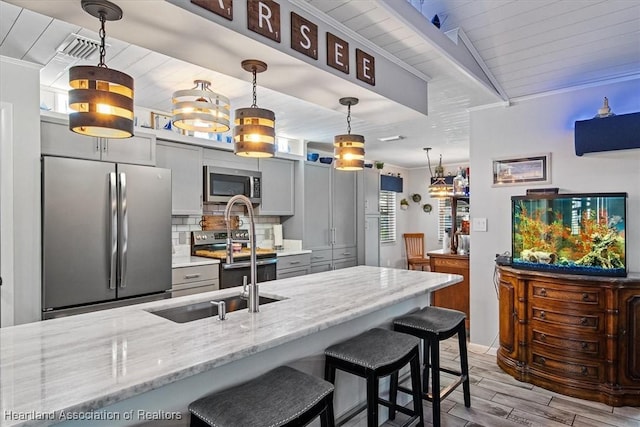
pixel 221 184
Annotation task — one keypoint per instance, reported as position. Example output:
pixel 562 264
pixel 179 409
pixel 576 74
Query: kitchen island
pixel 126 365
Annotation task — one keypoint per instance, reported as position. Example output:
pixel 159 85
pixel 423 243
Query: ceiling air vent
pixel 79 47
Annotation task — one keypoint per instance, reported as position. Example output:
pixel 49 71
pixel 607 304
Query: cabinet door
pixel 371 192
pixel 629 333
pixel 57 140
pixel 185 162
pixel 343 203
pixel 140 149
pixel 317 207
pixel 372 241
pixel 508 319
pixel 277 187
pixel 226 159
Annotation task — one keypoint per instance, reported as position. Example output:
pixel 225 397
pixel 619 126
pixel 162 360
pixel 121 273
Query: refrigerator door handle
pixel 113 225
pixel 124 229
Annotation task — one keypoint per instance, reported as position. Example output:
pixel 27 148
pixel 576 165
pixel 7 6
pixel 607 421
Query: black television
pixel 570 233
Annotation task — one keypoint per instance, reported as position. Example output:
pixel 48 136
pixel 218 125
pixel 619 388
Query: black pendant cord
pixel 349 119
pixel 255 83
pixel 102 34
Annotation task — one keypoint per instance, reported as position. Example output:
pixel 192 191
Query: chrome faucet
pixel 253 286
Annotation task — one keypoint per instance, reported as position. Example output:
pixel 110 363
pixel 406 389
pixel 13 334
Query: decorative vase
pixel 379 165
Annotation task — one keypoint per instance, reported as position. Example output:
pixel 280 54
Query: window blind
pixel 387 216
pixel 444 216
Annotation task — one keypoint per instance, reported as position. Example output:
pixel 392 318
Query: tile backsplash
pixel 182 226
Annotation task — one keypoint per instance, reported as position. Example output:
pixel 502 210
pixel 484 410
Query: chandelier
pixel 208 112
pixel 438 187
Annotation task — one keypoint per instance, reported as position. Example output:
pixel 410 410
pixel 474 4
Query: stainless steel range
pixel 213 244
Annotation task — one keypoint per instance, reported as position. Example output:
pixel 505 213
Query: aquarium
pixel 570 233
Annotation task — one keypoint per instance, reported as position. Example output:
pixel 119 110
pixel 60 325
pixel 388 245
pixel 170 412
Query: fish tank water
pixel 570 233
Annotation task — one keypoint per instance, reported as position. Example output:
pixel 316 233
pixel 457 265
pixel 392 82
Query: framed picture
pixel 160 121
pixel 534 169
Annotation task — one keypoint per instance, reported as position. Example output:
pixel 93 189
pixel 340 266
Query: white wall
pixel 544 124
pixel 393 254
pixel 20 87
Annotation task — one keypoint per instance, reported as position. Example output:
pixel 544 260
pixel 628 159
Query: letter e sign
pixel 337 53
pixel 365 67
pixel 304 36
pixel 263 17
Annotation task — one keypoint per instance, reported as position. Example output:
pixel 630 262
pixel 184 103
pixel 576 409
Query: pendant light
pixel 208 112
pixel 348 149
pixel 102 98
pixel 254 134
pixel 438 187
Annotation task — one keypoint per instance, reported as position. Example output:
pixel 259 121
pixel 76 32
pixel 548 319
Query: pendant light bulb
pixel 101 98
pixel 348 149
pixel 254 133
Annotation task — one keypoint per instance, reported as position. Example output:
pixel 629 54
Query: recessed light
pixel 391 138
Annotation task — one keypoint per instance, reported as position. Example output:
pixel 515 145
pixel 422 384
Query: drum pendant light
pixel 438 187
pixel 208 112
pixel 348 149
pixel 102 98
pixel 254 133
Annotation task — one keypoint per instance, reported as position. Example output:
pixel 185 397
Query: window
pixel 444 216
pixel 387 216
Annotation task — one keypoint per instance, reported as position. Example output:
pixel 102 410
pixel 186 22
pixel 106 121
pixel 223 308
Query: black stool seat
pixel 281 397
pixel 372 355
pixel 432 325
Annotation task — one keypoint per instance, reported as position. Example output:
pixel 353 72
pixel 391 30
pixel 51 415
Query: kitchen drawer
pixel 588 371
pixel 547 294
pixel 320 267
pixel 345 263
pixel 196 273
pixel 294 261
pixel 444 263
pixel 191 288
pixel 589 346
pixel 293 272
pixel 348 252
pixel 586 322
pixel 321 256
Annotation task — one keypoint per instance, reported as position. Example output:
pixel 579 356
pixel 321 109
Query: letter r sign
pixel 263 17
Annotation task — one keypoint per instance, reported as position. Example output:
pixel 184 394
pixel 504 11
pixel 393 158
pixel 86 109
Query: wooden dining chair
pixel 414 245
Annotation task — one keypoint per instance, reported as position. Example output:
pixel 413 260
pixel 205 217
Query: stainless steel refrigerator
pixel 106 235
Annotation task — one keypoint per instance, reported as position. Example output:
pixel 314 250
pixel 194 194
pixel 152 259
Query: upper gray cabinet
pixel 371 191
pixel 277 187
pixel 226 159
pixel 185 162
pixel 57 140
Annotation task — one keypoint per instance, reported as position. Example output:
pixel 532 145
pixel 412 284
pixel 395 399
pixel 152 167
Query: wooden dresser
pixel 456 296
pixel 575 335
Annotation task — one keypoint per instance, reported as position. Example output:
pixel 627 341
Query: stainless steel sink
pixel 200 310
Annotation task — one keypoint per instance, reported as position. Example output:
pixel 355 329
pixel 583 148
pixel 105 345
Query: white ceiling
pixel 522 48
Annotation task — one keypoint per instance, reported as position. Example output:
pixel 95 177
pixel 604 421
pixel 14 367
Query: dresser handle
pixel 584 346
pixel 192 276
pixel 583 320
pixel 543 292
pixel 542 314
pixel 584 370
pixel 542 360
pixel 585 297
pixel 543 337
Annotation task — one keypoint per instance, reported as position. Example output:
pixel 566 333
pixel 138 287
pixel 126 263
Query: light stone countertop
pixel 293 252
pixel 93 360
pixel 191 261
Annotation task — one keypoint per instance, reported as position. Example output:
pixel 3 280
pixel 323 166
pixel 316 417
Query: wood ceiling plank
pixel 8 14
pixel 24 32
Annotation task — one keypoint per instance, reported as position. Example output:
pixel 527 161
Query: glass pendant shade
pixel 348 152
pixel 101 98
pixel 200 110
pixel 438 187
pixel 348 149
pixel 254 133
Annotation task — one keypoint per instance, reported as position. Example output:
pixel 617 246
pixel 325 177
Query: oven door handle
pixel 246 264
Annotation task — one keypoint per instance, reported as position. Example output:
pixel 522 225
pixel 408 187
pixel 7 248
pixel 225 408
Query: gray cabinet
pixel 185 162
pixel 329 216
pixel 293 265
pixel 371 189
pixel 58 140
pixel 277 187
pixel 226 159
pixel 369 217
pixel 194 279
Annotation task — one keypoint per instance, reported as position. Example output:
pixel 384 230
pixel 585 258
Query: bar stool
pixel 375 354
pixel 432 325
pixel 282 397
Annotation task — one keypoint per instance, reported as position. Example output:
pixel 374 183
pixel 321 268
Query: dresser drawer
pixel 546 294
pixel 294 261
pixel 591 346
pixel 587 322
pixel 444 263
pixel 589 371
pixel 196 273
pixel 348 252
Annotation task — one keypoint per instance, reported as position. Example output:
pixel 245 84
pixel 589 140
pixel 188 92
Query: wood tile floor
pixel 498 400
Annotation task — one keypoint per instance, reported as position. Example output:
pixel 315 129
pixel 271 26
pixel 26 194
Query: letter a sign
pixel 263 17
